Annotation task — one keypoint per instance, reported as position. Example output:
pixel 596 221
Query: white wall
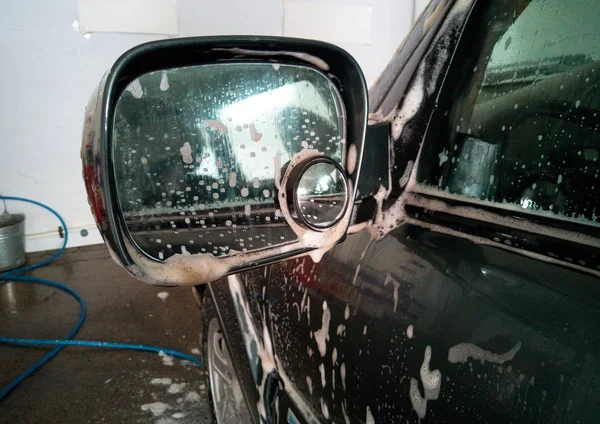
pixel 420 6
pixel 49 70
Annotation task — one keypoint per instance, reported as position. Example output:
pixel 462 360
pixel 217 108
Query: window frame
pixel 466 216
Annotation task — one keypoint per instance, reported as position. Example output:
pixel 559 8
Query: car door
pixel 474 294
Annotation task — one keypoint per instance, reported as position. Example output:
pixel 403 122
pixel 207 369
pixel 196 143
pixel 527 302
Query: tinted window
pixel 518 119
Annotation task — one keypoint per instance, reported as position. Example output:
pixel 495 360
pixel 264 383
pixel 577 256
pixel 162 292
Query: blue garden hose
pixel 11 276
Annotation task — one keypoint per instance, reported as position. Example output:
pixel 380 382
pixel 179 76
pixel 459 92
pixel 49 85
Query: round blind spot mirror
pixel 321 195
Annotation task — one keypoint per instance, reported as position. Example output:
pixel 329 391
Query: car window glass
pixel 519 119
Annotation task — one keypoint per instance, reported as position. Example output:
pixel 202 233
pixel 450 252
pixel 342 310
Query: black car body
pixel 465 311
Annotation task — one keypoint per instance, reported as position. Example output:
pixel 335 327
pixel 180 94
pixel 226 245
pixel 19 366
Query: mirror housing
pixel 132 248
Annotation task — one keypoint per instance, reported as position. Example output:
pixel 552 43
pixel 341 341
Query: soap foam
pixel 322 335
pixel 463 351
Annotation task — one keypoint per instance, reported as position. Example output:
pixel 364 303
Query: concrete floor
pixel 90 385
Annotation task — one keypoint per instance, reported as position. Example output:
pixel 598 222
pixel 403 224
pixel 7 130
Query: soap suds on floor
pixel 192 397
pixel 157 408
pixel 175 402
pixel 166 359
pixel 176 387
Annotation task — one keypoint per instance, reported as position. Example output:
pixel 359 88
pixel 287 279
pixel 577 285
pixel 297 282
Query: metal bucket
pixel 12 241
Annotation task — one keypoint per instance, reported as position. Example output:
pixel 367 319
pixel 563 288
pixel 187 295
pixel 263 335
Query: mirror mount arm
pixel 375 165
pixel 374 171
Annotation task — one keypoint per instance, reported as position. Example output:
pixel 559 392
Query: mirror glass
pixel 321 195
pixel 198 152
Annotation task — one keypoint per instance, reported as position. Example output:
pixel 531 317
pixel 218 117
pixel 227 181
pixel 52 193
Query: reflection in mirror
pixel 198 153
pixel 321 195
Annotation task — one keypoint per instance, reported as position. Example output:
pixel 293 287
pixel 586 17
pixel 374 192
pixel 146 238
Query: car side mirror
pixel 207 156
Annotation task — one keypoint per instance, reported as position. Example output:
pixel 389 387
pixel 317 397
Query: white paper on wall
pixel 334 21
pixel 135 16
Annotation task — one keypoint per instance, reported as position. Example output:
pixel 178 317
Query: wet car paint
pixel 449 292
pixel 425 325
